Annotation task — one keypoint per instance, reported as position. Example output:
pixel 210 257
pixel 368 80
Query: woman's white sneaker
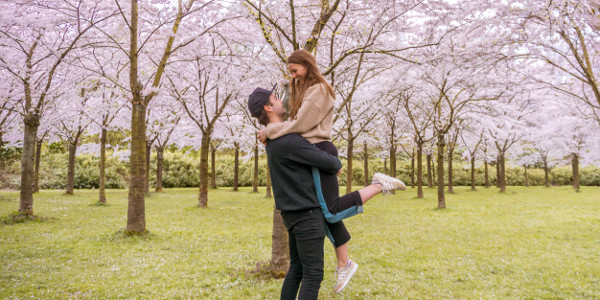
pixel 388 183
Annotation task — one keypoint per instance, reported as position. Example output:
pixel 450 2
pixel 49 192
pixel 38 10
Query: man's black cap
pixel 258 99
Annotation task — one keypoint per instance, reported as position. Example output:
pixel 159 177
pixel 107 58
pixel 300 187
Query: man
pixel 290 160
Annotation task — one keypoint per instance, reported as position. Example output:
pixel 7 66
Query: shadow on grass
pixel 98 203
pixel 19 218
pixel 262 270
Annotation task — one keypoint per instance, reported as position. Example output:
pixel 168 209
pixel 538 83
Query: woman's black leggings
pixel 335 203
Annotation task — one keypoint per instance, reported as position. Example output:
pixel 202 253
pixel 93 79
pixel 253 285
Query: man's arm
pixel 302 151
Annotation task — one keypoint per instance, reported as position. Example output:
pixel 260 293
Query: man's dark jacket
pixel 290 160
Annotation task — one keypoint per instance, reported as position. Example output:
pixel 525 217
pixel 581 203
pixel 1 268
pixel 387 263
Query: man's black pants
pixel 306 230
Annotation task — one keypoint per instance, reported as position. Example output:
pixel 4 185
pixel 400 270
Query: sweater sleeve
pixel 312 112
pixel 302 151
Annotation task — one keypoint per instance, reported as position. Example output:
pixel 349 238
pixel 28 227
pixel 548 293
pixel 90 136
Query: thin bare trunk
pixel 102 178
pixel 393 161
pixel 429 173
pixel 498 171
pixel 160 159
pixel 440 173
pixel 136 210
pixel 349 167
pixel 136 207
pixel 32 122
pixel 576 180
pixel 255 181
pixel 412 171
pixel 71 168
pixel 546 174
pixel 213 175
pixel 502 173
pixel 268 194
pixel 473 173
pixel 147 175
pixel 526 177
pixel 204 148
pixel 420 171
pixel 236 168
pixel 280 259
pixel 450 178
pixel 38 157
pixel 366 164
pixel 385 168
pixel 486 174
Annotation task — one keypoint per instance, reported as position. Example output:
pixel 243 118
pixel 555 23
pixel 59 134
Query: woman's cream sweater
pixel 314 119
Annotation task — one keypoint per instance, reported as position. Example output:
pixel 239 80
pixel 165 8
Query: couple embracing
pixel 304 167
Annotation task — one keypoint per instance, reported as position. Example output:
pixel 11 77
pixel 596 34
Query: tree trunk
pixel 429 175
pixel 268 194
pixel 412 171
pixel 147 175
pixel 501 173
pixel 393 161
pixel 32 122
pixel 546 174
pixel 102 177
pixel 236 168
pixel 420 171
pixel 38 156
pixel 526 177
pixel 366 164
pixel 450 179
pixel 136 207
pixel 433 171
pixel 440 173
pixel 160 159
pixel 473 173
pixel 385 168
pixel 204 148
pixel 576 180
pixel 255 181
pixel 486 174
pixel 280 259
pixel 349 167
pixel 71 168
pixel 498 171
pixel 213 175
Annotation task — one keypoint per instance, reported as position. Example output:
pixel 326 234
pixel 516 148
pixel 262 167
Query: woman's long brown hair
pixel 312 77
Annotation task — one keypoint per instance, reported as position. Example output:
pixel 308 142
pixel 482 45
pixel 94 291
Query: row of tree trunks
pixel 429 173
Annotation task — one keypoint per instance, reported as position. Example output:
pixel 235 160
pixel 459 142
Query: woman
pixel 311 115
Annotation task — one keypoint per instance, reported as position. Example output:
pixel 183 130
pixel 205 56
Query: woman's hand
pixel 262 137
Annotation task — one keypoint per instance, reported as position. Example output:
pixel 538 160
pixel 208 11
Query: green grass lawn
pixel 528 243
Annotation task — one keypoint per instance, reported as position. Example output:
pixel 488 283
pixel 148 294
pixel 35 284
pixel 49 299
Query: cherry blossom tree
pixel 33 50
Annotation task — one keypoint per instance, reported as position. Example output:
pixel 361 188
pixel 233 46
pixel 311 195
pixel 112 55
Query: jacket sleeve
pixel 302 151
pixel 314 108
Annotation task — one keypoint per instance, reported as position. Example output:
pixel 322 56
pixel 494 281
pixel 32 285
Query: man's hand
pixel 262 137
pixel 339 172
